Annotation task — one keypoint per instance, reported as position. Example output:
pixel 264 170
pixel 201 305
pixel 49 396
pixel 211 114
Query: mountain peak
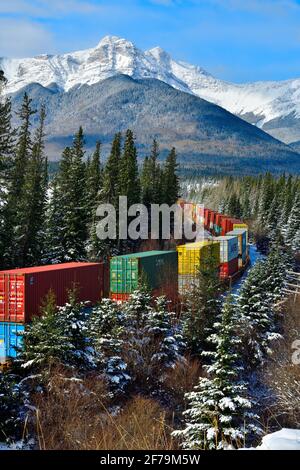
pixel 113 40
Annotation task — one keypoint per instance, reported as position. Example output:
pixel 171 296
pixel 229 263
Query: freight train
pixel 169 273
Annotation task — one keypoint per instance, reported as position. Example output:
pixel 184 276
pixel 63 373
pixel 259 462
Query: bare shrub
pixel 73 414
pixel 183 378
pixel 282 375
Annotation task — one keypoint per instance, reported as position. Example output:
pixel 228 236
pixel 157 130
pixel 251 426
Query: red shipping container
pixel 23 290
pixel 227 224
pixel 119 297
pixel 206 218
pixel 230 268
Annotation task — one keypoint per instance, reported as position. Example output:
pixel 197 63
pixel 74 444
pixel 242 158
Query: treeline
pixel 271 205
pixel 48 222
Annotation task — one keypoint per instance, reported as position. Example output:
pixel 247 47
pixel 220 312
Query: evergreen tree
pixel 94 180
pixel 219 413
pixel 30 233
pixel 105 328
pixel 151 178
pixel 57 336
pixel 7 135
pixel 11 425
pixel 293 225
pixel 166 335
pixel 71 200
pixel 111 177
pixel 129 176
pixel 171 187
pixel 255 302
pixel 15 198
pixel 45 340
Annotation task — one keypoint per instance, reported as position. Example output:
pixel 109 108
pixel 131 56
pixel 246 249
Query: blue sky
pixel 237 40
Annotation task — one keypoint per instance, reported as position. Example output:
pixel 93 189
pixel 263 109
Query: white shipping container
pixel 229 248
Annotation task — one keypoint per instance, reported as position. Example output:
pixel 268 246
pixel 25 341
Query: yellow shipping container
pixel 193 255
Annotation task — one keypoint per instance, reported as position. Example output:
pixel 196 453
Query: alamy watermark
pixel 138 222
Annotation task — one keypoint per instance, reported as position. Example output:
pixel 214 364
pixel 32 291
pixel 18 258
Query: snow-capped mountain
pixel 273 106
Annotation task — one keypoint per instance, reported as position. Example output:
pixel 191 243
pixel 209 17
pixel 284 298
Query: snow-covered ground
pixel 285 439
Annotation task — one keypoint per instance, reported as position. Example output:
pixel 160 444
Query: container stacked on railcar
pixel 23 290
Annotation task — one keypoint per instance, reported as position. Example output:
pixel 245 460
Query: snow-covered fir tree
pixel 57 336
pixel 202 306
pixel 293 226
pixel 219 413
pixel 257 299
pixel 105 328
pixel 162 329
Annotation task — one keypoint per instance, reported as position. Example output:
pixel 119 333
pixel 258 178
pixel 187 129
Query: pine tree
pixel 171 187
pixel 255 302
pixel 30 232
pixel 219 413
pixel 54 248
pixel 57 336
pixel 165 334
pixel 94 180
pixel 71 200
pixel 293 225
pixel 266 197
pixel 45 340
pixel 151 178
pixel 105 328
pixel 111 177
pixel 7 136
pixel 11 425
pixel 129 175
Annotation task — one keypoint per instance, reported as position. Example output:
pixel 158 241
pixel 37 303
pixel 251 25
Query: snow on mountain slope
pixel 273 106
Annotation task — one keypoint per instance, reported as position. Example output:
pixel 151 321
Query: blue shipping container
pixel 10 339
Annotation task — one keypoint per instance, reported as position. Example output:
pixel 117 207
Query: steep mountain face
pixel 206 136
pixel 272 106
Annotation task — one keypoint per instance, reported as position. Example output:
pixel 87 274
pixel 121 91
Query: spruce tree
pixel 30 232
pixel 71 199
pixel 13 213
pixel 219 413
pixel 111 176
pixel 256 299
pixel 7 136
pixel 105 328
pixel 171 187
pixel 129 175
pixel 202 306
pixel 293 225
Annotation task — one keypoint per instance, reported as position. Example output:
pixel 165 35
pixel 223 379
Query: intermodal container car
pixel 229 248
pixel 10 340
pixel 229 268
pixel 23 290
pixel 193 255
pixel 242 240
pixel 154 268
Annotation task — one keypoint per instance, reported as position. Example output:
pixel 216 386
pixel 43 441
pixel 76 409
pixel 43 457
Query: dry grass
pixel 282 375
pixel 74 415
pixel 183 378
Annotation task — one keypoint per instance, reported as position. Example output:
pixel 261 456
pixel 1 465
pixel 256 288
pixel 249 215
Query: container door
pixel 12 293
pixel 15 302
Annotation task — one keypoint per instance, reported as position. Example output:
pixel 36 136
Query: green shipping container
pixel 155 268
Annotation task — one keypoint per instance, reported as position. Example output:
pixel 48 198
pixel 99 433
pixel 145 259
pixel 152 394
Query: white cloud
pixel 48 8
pixel 20 38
